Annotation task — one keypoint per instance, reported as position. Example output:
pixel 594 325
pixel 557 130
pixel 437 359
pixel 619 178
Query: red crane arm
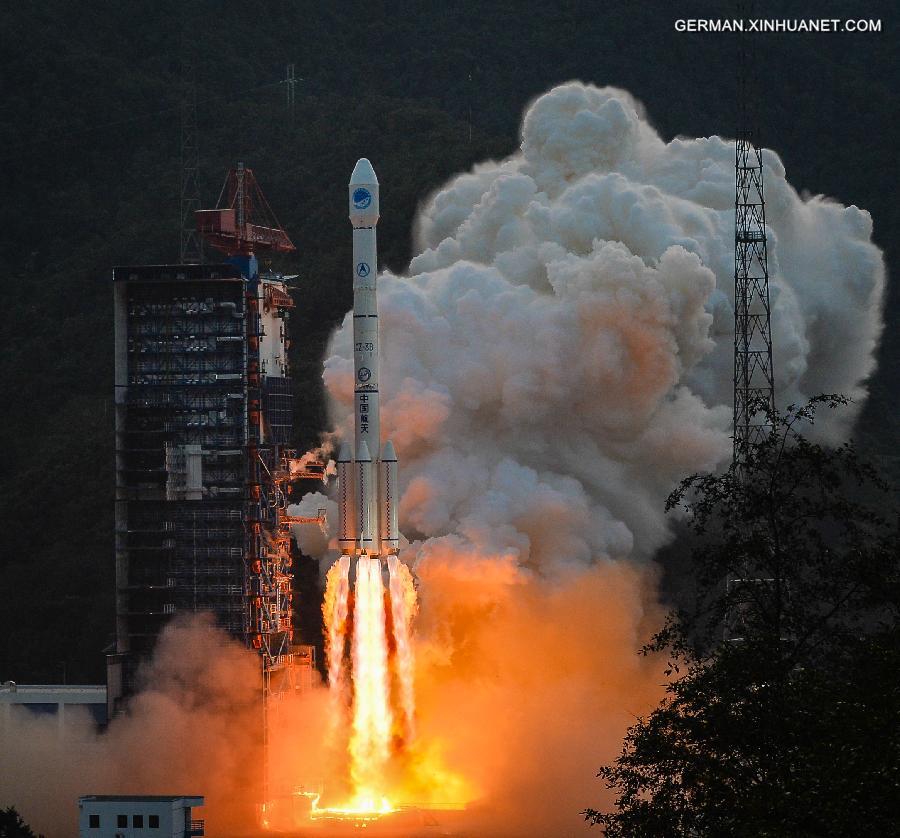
pixel 244 222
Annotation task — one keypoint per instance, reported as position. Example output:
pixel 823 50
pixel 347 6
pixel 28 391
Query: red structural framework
pixel 243 222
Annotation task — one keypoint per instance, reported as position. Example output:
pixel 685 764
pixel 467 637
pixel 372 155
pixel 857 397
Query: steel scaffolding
pixel 200 434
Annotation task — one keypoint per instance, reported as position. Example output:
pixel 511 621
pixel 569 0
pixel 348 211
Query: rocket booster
pixel 367 471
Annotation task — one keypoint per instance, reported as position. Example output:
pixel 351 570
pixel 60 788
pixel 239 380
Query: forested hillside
pixel 89 140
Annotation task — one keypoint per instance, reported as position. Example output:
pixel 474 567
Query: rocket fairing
pixel 367 472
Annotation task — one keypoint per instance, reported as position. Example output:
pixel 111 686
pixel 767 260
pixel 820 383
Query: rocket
pixel 367 471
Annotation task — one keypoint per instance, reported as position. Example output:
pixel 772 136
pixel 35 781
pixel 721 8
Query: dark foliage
pixel 789 726
pixel 12 825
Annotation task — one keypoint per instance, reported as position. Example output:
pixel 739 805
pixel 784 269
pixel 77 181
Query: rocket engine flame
pixel 372 717
pixel 335 610
pixel 403 610
pixel 381 708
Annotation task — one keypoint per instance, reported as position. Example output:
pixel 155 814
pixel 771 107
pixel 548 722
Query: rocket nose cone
pixel 387 452
pixel 345 455
pixel 363 173
pixel 362 453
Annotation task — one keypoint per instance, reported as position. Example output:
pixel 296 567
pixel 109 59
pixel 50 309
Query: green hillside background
pixel 89 143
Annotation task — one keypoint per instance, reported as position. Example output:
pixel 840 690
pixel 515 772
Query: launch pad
pixel 299 816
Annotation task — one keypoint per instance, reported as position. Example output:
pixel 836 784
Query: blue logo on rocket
pixel 362 269
pixel 362 198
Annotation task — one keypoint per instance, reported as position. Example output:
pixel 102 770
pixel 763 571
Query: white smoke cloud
pixel 558 357
pixel 561 351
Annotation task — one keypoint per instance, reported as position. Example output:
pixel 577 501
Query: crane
pixel 242 222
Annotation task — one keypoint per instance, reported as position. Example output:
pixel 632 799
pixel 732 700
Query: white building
pixel 140 816
pixel 52 700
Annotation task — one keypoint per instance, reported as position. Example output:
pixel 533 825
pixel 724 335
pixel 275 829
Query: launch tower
pixel 203 426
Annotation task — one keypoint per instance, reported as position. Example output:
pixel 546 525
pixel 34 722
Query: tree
pixel 781 713
pixel 12 825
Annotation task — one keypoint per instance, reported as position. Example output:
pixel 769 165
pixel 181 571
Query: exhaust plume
pixel 558 357
pixel 193 728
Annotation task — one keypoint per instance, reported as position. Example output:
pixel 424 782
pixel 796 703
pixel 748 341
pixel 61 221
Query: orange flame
pixel 335 610
pixel 371 670
pixel 378 623
pixel 372 716
pixel 403 610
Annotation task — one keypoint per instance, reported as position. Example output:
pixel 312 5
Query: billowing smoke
pixel 561 351
pixel 194 728
pixel 558 357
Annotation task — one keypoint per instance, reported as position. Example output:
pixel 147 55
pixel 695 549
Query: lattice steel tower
pixel 754 386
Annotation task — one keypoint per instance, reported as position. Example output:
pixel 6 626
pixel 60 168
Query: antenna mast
pixel 191 250
pixel 754 386
pixel 290 90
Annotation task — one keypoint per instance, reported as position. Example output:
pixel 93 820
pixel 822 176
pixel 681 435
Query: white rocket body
pixel 367 472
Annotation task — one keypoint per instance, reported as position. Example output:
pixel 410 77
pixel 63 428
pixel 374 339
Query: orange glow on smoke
pixel 483 694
